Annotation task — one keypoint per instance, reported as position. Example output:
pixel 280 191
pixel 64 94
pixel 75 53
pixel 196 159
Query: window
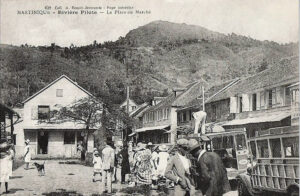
pixel 184 116
pixel 69 137
pixel 214 113
pixel 253 149
pixel 288 98
pixel 275 147
pixel 254 102
pixel 228 142
pixel 240 104
pixel 59 92
pixel 190 111
pixel 43 112
pixel 263 149
pixel 262 100
pixel 272 98
pixel 241 142
pixel 291 146
pixel 168 111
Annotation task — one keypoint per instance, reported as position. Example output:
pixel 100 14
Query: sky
pixel 275 20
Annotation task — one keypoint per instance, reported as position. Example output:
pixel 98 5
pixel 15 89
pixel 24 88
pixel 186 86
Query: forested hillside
pixel 152 59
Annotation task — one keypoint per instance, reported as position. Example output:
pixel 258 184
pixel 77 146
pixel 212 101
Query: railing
pixel 277 131
pixel 275 174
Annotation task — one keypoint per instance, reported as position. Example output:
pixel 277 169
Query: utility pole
pixel 203 99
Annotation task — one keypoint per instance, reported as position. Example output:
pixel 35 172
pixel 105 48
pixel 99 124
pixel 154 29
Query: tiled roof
pixel 192 91
pixel 210 93
pixel 287 70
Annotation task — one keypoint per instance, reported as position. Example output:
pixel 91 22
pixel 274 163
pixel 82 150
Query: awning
pixel 132 134
pixel 259 119
pixel 152 128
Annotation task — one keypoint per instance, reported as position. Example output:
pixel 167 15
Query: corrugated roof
pixel 287 70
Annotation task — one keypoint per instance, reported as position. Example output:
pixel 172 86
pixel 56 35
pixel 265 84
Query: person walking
pixel 97 161
pixel 178 170
pixel 162 160
pixel 5 160
pixel 12 152
pixel 27 154
pixel 125 167
pixel 108 157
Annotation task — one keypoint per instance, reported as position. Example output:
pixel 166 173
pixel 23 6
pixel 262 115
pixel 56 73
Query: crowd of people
pixel 145 165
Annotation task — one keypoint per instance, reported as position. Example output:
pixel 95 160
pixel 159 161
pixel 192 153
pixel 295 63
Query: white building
pixel 132 105
pixel 52 139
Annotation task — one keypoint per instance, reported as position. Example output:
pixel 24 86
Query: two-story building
pixel 51 139
pixel 259 102
pixel 131 105
pixel 159 121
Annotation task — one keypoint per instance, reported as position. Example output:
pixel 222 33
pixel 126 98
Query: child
pixel 97 161
pixel 5 157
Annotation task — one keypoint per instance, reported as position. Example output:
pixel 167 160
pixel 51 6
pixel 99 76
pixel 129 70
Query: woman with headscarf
pixel 27 154
pixel 178 170
pixel 143 166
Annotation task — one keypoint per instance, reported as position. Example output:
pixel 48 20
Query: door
pixel 42 142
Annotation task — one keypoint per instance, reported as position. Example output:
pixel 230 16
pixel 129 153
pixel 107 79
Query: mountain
pixel 156 57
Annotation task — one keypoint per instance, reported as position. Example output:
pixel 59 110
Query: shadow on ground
pixel 13 191
pixel 15 177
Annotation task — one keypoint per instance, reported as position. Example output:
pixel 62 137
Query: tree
pixel 86 111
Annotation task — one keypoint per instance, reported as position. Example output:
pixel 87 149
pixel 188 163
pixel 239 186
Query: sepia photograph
pixel 149 97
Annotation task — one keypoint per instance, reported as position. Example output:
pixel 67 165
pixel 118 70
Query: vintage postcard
pixel 149 97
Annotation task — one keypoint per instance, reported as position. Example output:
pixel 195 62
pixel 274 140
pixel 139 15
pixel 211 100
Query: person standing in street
pixel 178 170
pixel 108 157
pixel 163 157
pixel 27 154
pixel 5 160
pixel 125 167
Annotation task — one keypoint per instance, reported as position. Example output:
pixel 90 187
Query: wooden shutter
pixel 233 105
pixel 262 100
pixel 279 96
pixel 34 112
pixel 245 102
pixel 258 100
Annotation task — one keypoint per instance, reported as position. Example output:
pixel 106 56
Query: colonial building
pixel 53 139
pixel 159 121
pixel 265 100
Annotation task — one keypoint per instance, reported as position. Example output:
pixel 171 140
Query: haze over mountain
pixel 156 58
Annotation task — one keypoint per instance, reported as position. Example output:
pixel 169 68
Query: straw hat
pixel 163 148
pixel 149 144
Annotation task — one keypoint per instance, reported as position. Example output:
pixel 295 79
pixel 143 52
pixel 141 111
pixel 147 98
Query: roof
pixel 46 87
pixel 192 91
pixel 152 128
pixel 259 119
pixel 210 93
pixel 285 71
pixel 139 110
pixel 7 109
pixel 130 100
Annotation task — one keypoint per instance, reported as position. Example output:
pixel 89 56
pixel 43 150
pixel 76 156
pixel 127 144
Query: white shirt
pixel 185 162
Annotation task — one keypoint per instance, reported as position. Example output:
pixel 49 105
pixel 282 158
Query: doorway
pixel 42 142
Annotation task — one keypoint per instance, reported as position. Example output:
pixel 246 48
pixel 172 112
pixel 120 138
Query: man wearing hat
pixel 213 175
pixel 178 170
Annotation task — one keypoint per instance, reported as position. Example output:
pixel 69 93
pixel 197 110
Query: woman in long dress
pixel 27 154
pixel 5 158
pixel 163 157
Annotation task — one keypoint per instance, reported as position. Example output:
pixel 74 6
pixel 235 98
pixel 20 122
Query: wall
pixel 222 111
pixel 71 93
